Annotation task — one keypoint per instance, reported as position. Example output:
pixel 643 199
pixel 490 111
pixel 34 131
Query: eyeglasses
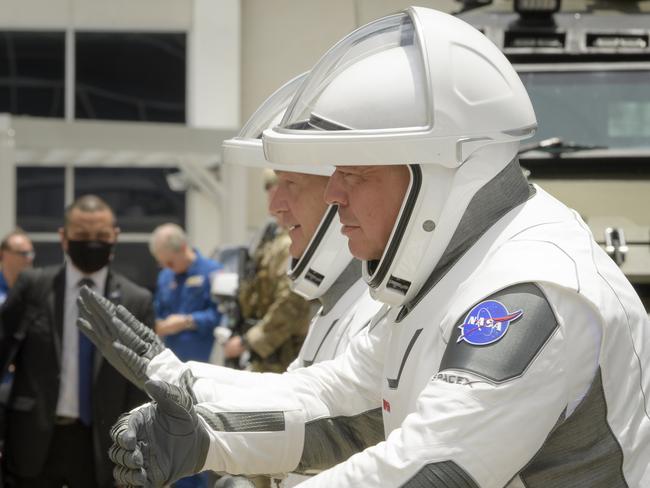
pixel 24 254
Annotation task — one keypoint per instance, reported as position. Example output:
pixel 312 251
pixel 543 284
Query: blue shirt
pixel 189 294
pixel 4 288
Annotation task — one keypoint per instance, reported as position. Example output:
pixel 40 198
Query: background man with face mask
pixel 65 397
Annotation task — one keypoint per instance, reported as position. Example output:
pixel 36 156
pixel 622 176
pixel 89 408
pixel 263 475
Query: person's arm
pixel 11 315
pixel 288 315
pixel 298 419
pixel 207 319
pixel 159 308
pixel 303 419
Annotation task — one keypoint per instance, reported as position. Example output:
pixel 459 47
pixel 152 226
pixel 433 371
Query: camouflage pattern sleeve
pixel 283 316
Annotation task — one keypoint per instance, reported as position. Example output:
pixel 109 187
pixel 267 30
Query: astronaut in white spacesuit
pixel 515 353
pixel 323 269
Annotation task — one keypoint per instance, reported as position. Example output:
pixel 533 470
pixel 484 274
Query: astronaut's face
pixel 299 206
pixel 369 200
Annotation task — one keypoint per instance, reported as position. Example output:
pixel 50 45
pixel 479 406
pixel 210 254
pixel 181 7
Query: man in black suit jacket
pixel 65 398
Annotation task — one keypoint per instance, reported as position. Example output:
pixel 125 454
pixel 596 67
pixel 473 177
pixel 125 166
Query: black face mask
pixel 90 256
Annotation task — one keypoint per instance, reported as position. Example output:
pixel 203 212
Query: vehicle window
pixel 603 108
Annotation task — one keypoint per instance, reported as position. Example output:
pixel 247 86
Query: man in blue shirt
pixel 186 315
pixel 16 254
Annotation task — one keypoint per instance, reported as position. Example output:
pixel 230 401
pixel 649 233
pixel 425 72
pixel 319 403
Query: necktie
pixel 86 353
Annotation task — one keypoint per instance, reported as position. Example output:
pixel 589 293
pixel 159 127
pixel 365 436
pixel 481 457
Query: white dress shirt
pixel 68 402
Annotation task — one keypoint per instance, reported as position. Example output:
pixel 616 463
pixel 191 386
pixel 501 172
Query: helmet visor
pixel 246 148
pixel 347 90
pixel 271 111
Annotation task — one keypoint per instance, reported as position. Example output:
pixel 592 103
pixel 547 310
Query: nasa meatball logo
pixel 487 323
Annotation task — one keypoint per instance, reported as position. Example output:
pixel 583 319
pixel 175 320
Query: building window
pixel 32 72
pixel 140 197
pixel 130 76
pixel 48 253
pixel 39 198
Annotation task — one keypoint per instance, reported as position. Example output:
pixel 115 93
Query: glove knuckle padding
pixel 136 365
pixel 179 418
pixel 186 382
pixel 128 337
pixel 123 457
pixel 172 441
pixel 88 330
pixel 133 477
pixel 120 425
pixel 127 317
pixel 125 432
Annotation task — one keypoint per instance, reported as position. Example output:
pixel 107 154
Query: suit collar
pixel 73 276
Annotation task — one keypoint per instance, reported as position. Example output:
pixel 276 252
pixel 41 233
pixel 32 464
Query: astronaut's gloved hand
pixel 161 441
pixel 96 315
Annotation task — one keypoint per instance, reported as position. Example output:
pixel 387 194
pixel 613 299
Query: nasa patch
pixel 487 323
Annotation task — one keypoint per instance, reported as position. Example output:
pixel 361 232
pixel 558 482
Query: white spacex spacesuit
pixel 326 271
pixel 516 353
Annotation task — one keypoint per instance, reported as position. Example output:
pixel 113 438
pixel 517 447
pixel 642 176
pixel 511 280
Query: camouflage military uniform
pixel 283 317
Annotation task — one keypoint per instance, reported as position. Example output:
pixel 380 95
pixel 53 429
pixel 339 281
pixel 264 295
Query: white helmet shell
pixel 421 88
pixel 326 255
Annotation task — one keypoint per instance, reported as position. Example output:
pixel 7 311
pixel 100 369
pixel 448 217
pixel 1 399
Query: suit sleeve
pixel 300 420
pixel 287 314
pixel 207 319
pixel 11 315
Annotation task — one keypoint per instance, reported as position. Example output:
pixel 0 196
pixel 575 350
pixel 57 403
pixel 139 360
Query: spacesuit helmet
pixel 420 88
pixel 326 254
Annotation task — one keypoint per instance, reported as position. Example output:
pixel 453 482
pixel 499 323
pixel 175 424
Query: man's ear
pixel 63 239
pixel 117 231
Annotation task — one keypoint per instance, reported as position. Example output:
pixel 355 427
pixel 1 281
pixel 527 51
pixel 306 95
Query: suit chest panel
pixel 320 344
pixel 414 352
pixel 329 334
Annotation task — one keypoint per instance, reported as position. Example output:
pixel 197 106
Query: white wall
pixel 161 15
pixel 7 177
pixel 213 95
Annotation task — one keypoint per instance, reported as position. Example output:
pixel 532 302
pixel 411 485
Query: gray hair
pixel 168 236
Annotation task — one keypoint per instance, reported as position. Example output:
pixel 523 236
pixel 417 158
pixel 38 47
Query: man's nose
pixel 277 202
pixel 335 193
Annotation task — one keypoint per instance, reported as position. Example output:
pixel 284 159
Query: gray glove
pixel 127 344
pixel 161 441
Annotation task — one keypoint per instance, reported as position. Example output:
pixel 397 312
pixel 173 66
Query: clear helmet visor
pixel 347 88
pixel 246 148
pixel 271 111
